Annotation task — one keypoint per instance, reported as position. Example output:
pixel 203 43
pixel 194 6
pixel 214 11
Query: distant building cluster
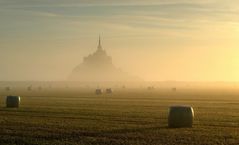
pixel 98 67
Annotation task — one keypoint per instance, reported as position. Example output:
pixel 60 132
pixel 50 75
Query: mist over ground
pixel 154 40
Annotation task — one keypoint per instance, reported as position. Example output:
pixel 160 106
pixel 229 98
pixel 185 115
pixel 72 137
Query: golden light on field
pixel 119 72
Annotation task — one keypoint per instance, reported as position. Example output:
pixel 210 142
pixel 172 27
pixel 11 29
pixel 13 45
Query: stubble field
pixel 126 117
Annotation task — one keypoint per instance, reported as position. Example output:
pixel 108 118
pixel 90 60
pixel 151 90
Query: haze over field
pixel 157 40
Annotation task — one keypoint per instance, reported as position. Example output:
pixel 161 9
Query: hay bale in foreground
pixel 98 91
pixel 13 101
pixel 180 116
pixel 109 91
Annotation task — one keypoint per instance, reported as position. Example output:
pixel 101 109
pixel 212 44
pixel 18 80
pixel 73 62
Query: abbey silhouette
pixel 98 67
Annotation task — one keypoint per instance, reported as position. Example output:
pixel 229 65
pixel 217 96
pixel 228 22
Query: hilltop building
pixel 98 67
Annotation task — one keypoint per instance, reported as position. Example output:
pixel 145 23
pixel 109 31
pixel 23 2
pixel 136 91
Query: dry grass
pixel 127 117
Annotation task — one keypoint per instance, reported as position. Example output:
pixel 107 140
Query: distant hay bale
pixel 150 88
pixel 13 101
pixel 98 91
pixel 7 88
pixel 174 89
pixel 40 88
pixel 109 91
pixel 180 116
pixel 29 88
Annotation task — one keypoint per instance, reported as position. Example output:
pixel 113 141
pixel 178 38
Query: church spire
pixel 99 45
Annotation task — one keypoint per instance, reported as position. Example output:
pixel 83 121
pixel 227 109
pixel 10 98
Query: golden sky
pixel 157 40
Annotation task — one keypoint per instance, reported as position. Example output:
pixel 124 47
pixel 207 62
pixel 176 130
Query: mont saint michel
pixel 98 67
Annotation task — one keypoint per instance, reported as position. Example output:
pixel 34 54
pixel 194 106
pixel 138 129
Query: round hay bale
pixel 13 101
pixel 150 88
pixel 98 91
pixel 174 89
pixel 29 88
pixel 40 88
pixel 109 91
pixel 7 88
pixel 180 116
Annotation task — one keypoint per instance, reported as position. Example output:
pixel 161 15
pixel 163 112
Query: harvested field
pixel 127 117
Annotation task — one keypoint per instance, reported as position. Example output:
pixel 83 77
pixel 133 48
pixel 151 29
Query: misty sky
pixel 184 40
